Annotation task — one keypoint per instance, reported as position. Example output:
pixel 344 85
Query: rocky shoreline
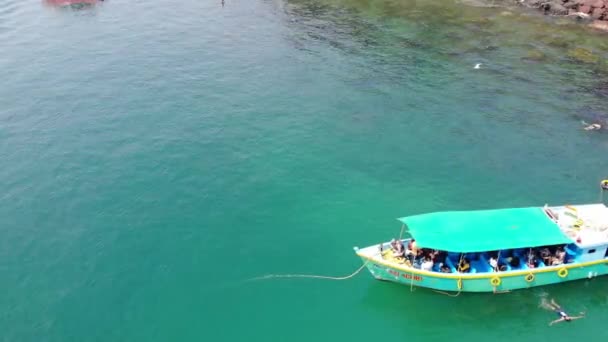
pixel 595 12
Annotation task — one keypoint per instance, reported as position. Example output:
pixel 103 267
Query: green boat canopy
pixel 484 230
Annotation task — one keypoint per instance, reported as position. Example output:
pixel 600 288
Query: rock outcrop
pixel 594 11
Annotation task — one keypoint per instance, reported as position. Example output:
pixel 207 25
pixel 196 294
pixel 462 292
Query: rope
pixel 313 276
pixel 500 291
pixel 401 233
pixel 448 294
pixel 412 282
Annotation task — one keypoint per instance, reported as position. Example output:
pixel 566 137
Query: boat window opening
pixel 591 251
pixel 505 260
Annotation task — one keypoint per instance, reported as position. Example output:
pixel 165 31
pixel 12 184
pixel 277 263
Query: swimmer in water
pixel 592 127
pixel 563 316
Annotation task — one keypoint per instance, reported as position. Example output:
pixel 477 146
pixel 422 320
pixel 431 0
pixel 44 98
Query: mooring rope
pixel 449 294
pixel 313 276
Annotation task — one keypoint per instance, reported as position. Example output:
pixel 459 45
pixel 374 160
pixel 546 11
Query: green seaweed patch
pixel 481 22
pixel 535 55
pixel 558 42
pixel 583 55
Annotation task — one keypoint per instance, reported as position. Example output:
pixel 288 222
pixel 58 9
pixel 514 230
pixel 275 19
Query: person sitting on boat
pixel 393 244
pixel 444 268
pixel 427 264
pixel 464 266
pixel 493 263
pixel 531 259
pixel 439 257
pixel 560 256
pixel 514 262
pixel 399 251
pixel 545 254
pixel 418 257
pixel 411 251
pixel 412 248
pixel 563 316
pixel 561 253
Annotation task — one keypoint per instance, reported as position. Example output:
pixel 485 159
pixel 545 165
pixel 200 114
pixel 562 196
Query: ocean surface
pixel 158 155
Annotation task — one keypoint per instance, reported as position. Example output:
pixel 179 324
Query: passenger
pixel 502 266
pixel 592 127
pixel 418 258
pixel 560 253
pixel 445 268
pixel 563 316
pixel 556 261
pixel 464 266
pixel 412 247
pixel 440 257
pixel 399 251
pixel 531 259
pixel 560 256
pixel 545 254
pixel 493 263
pixel 427 264
pixel 514 262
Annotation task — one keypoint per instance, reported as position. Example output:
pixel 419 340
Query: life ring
pixel 562 273
pixel 459 284
pixel 604 184
pixel 529 278
pixel 495 281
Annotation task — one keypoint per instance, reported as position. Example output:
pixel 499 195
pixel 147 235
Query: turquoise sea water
pixel 157 155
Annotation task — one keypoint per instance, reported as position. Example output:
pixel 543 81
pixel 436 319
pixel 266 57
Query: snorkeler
pixel 563 316
pixel 592 127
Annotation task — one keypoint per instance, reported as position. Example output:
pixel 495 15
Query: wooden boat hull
pixel 483 282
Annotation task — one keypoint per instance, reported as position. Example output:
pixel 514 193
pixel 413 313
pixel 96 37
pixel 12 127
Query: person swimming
pixel 592 127
pixel 563 316
pixel 594 121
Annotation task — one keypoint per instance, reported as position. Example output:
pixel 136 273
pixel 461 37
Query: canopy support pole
pixel 460 262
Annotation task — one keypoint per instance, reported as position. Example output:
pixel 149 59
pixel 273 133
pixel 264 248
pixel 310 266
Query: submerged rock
pixel 571 4
pixel 535 55
pixel 579 15
pixel 580 10
pixel 583 55
pixel 599 25
pixel 554 8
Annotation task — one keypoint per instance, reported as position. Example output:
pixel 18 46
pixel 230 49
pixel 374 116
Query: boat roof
pixel 585 223
pixel 485 230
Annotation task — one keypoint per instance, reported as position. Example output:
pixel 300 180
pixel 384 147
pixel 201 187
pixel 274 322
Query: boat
pixel 497 250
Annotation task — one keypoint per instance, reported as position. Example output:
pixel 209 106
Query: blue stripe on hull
pixel 507 281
